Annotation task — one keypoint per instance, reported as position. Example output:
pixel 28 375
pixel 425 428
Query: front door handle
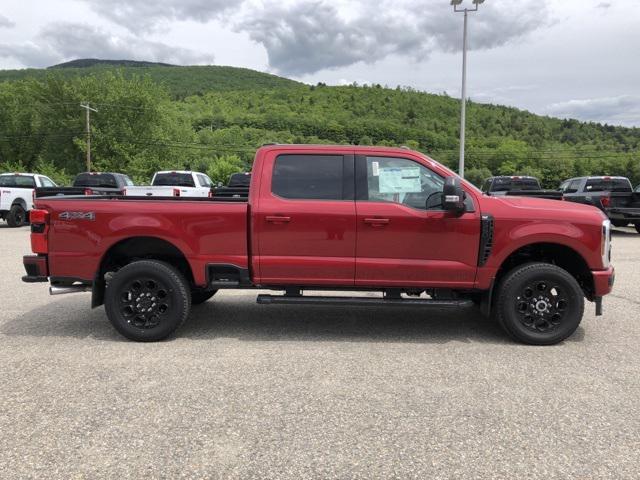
pixel 376 222
pixel 278 219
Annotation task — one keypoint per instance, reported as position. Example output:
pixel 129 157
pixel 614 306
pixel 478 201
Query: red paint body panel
pixel 327 243
pixel 205 232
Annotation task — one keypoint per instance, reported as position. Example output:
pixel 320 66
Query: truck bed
pixel 83 228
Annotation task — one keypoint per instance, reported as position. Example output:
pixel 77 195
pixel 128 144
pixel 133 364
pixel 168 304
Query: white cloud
pixel 623 109
pixel 6 23
pixel 307 36
pixel 67 41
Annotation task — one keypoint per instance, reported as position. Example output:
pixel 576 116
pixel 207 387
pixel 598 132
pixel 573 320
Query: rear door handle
pixel 376 222
pixel 278 219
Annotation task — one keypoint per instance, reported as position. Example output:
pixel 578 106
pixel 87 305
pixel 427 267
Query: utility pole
pixel 463 107
pixel 88 109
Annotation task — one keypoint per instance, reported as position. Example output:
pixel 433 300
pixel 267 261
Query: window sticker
pixel 400 180
pixel 375 168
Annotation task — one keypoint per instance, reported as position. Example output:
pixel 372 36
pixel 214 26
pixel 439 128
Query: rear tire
pixel 16 216
pixel 637 225
pixel 147 300
pixel 201 296
pixel 539 304
pixel 619 223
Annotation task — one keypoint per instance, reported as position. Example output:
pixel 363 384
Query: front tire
pixel 539 304
pixel 16 216
pixel 147 300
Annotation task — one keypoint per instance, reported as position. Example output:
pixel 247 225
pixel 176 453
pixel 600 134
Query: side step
pixel 360 301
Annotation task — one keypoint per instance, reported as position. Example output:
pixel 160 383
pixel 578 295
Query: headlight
pixel 605 243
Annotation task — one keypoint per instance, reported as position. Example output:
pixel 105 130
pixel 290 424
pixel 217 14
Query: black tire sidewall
pixel 178 291
pixel 16 210
pixel 513 285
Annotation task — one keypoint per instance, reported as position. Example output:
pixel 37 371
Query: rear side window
pixel 608 185
pixel 17 181
pixel 174 179
pixel 98 180
pixel 308 177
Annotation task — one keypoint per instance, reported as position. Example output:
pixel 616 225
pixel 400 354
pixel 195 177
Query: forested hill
pixel 213 119
pixel 179 81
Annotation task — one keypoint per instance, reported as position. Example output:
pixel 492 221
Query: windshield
pixel 174 179
pixel 99 180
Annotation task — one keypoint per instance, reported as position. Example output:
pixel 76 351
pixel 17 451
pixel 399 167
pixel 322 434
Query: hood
pixel 529 207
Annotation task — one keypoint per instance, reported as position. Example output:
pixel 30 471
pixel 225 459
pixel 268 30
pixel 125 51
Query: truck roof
pixel 22 174
pixel 187 172
pixel 323 147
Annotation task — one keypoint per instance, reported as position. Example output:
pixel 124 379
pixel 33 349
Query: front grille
pixel 486 239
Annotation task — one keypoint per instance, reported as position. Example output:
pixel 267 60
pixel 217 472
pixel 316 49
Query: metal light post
pixel 463 108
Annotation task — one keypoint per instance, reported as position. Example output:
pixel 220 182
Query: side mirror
pixel 453 195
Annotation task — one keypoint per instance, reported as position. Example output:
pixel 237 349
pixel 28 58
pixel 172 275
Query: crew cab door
pixel 305 220
pixel 404 237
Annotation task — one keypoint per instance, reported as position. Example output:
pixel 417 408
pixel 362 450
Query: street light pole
pixel 463 100
pixel 88 109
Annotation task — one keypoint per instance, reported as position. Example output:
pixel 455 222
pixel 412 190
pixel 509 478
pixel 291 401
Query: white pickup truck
pixel 16 195
pixel 174 184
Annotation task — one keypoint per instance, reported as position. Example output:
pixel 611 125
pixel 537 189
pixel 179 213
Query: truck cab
pixel 16 195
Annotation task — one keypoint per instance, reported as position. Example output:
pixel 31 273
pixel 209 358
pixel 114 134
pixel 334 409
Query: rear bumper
pixel 36 268
pixel 632 215
pixel 603 281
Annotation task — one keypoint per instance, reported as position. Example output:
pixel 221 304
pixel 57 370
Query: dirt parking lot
pixel 250 391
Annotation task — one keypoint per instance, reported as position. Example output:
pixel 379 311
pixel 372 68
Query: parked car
pixel 328 218
pixel 613 195
pixel 16 195
pixel 91 183
pixel 518 186
pixel 176 184
pixel 236 190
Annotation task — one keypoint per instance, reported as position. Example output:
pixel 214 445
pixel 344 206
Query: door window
pixel 46 182
pixel 403 181
pixel 309 177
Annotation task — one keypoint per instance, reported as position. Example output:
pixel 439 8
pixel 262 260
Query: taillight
pixel 176 192
pixel 88 191
pixel 605 201
pixel 210 193
pixel 39 220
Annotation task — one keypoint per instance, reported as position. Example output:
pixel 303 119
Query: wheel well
pixel 21 202
pixel 560 255
pixel 138 248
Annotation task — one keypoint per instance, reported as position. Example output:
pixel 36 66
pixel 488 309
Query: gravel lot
pixel 250 391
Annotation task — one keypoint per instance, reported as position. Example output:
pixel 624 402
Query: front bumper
pixel 603 281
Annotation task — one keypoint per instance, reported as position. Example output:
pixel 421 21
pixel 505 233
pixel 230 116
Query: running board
pixel 360 301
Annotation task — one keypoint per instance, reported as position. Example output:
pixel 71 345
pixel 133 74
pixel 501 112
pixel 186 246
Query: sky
pixel 565 58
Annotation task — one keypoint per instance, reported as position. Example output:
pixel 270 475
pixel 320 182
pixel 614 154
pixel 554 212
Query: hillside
pixel 180 81
pixel 213 118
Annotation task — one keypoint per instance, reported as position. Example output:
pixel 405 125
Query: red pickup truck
pixel 327 219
